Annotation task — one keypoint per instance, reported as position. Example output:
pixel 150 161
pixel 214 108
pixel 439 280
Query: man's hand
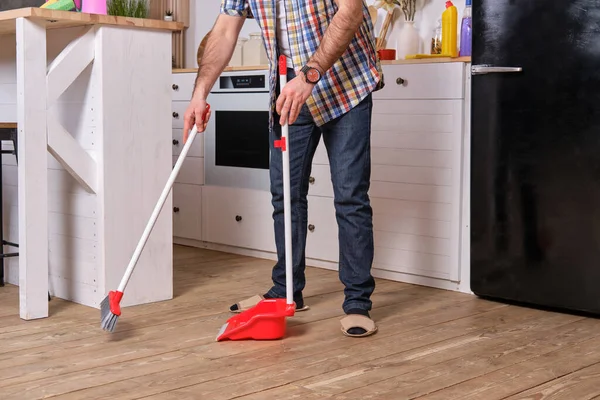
pixel 194 115
pixel 292 98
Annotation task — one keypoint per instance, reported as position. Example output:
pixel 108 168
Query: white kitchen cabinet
pixel 192 170
pixel 187 208
pixel 320 181
pixel 197 149
pixel 424 185
pixel 416 183
pixel 322 233
pixel 183 86
pixel 238 217
pixel 187 190
pixel 423 81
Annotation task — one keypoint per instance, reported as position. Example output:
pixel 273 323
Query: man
pixel 332 70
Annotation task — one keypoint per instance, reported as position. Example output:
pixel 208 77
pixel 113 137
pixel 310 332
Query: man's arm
pixel 338 35
pixel 219 49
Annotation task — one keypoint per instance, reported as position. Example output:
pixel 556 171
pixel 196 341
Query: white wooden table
pixel 91 96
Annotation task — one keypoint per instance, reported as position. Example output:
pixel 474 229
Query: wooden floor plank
pixel 581 385
pixel 317 338
pixel 191 328
pixel 418 383
pixel 491 340
pixel 369 357
pixel 522 376
pixel 300 352
pixel 431 345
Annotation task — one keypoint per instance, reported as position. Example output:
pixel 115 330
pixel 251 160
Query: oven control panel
pixel 242 81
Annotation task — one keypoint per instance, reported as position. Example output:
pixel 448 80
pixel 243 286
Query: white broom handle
pixel 157 210
pixel 287 207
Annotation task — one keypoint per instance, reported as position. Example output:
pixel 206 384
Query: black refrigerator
pixel 535 152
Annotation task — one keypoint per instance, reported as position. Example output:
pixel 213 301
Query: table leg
pixel 33 173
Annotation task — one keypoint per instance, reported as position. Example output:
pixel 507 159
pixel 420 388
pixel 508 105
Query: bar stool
pixel 8 133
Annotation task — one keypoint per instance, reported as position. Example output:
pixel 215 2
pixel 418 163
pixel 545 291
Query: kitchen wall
pixel 203 15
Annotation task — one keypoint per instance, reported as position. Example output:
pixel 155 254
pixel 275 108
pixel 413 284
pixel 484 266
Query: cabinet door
pixel 415 186
pixel 322 237
pixel 187 211
pixel 238 217
pixel 192 170
pixel 320 181
pixel 183 86
pixel 197 149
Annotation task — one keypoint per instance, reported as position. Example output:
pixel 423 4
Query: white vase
pixel 409 40
pixel 168 18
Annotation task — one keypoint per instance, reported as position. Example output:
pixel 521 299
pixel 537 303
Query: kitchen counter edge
pixel 394 62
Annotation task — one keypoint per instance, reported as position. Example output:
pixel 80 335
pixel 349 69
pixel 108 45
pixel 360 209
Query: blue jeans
pixel 347 140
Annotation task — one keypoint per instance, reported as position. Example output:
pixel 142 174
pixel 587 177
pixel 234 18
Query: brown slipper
pixel 358 321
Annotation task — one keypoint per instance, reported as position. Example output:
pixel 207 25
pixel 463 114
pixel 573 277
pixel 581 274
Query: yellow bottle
pixel 450 30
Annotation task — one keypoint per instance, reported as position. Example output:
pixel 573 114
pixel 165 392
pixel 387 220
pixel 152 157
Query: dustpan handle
pixel 287 207
pixel 157 209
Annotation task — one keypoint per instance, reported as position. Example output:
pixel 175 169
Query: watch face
pixel 312 75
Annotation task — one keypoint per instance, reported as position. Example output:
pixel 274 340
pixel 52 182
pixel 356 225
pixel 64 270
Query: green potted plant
pixel 168 15
pixel 128 8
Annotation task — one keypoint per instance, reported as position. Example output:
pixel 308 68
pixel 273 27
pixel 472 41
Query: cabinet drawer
pixel 322 237
pixel 423 81
pixel 191 172
pixel 238 217
pixel 177 112
pixel 187 211
pixel 197 149
pixel 320 181
pixel 183 85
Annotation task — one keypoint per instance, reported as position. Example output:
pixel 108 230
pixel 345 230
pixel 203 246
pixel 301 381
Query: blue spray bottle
pixel 465 31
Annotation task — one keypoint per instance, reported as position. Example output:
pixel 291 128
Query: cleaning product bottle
pixel 465 31
pixel 436 39
pixel 450 30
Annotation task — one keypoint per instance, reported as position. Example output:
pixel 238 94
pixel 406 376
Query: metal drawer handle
pixel 311 180
pixel 175 142
pixel 176 209
pixel 400 81
pixel 175 115
pixel 311 228
pixel 175 87
pixel 238 218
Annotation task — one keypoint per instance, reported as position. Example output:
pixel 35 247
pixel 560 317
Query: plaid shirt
pixel 351 78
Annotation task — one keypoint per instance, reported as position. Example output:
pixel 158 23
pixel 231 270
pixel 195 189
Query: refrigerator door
pixel 535 155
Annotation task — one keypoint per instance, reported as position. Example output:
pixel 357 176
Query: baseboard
pixel 378 273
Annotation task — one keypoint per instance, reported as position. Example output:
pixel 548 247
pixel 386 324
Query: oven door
pixel 237 141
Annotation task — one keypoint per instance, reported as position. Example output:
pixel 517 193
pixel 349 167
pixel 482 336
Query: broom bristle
pixel 108 320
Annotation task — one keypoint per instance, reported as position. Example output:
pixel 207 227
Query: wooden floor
pixel 431 344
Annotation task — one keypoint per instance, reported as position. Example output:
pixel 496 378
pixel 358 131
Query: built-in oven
pixel 237 136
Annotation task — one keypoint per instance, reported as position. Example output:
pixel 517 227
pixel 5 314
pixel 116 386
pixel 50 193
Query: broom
pixel 110 307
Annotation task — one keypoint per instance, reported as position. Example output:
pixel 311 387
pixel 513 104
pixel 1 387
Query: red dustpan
pixel 267 320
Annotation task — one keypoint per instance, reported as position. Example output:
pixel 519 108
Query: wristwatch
pixel 312 75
